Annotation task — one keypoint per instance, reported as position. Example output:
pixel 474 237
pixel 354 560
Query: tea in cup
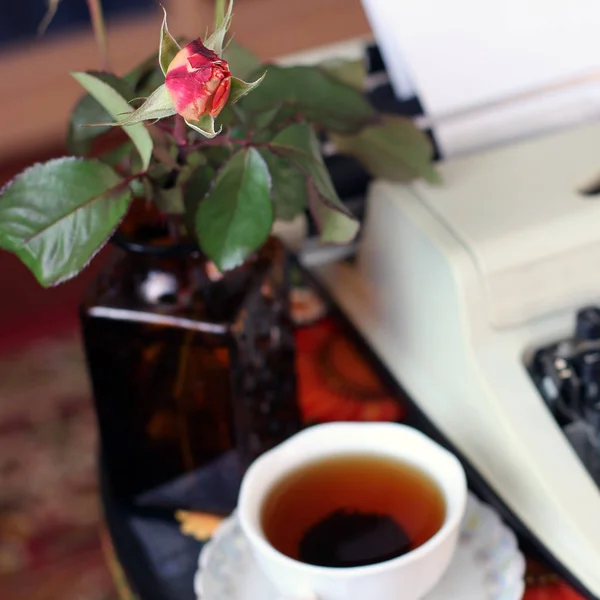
pixel 354 511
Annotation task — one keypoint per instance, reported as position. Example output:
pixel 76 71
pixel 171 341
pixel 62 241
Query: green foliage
pixel 89 110
pixel 236 216
pixel 116 106
pixel 288 187
pixel 118 155
pixel 56 216
pixel 298 145
pixel 169 200
pixel 157 106
pixel 352 73
pixel 225 179
pixel 196 187
pixel 242 62
pixel 393 149
pixel 312 93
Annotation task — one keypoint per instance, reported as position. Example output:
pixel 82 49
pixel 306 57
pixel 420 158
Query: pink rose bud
pixel 198 81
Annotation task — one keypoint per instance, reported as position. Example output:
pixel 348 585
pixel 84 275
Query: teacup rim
pixel 450 524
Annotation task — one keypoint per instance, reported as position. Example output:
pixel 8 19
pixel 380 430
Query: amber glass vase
pixel 192 372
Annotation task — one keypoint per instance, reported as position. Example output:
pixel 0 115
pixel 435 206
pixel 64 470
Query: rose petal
pixel 198 81
pixel 220 96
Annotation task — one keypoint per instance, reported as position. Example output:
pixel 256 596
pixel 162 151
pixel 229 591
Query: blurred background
pixel 19 22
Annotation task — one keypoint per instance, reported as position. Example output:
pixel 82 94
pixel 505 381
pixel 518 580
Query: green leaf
pixel 241 61
pixel 198 183
pixel 157 106
pixel 170 201
pixel 266 119
pixel 151 80
pixel 160 174
pixel 168 47
pixel 216 39
pixel 217 155
pixel 167 155
pixel 195 189
pixel 334 226
pixel 395 149
pixel 89 110
pixel 236 216
pixel 299 145
pixel 205 126
pixel 136 75
pixel 240 88
pixel 314 94
pixel 116 105
pixel 57 215
pixel 195 159
pixel 117 155
pixel 226 117
pixel 352 73
pixel 288 187
pixel 138 187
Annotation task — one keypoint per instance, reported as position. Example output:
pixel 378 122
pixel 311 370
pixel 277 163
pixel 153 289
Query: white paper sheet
pixel 463 54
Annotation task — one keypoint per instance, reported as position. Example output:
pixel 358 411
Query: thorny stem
pixel 124 183
pixel 221 140
pixel 120 185
pixel 131 177
pixel 224 140
pixel 180 131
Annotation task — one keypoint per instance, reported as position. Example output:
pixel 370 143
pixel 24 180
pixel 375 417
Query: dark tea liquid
pixel 352 510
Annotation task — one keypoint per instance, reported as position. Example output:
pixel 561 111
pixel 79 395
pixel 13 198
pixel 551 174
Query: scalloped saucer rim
pixel 487 548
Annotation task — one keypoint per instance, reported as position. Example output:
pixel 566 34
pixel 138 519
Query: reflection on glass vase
pixel 192 372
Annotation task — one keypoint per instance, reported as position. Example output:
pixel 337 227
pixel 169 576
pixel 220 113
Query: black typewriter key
pixel 588 323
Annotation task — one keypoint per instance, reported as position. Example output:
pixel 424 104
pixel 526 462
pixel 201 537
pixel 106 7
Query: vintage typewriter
pixel 481 297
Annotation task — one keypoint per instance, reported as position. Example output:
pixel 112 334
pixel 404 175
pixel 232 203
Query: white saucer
pixel 487 564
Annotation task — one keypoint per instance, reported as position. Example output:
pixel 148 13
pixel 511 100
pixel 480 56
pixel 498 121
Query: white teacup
pixel 407 577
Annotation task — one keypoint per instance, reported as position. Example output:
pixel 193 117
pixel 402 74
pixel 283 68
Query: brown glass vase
pixel 193 373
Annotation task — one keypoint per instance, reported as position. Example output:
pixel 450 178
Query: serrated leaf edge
pixel 164 108
pixel 24 246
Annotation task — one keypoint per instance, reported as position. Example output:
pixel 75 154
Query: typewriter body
pixel 481 296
